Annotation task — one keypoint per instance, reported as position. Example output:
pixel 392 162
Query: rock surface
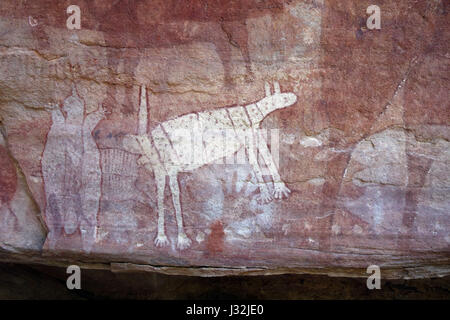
pixel 45 282
pixel 342 163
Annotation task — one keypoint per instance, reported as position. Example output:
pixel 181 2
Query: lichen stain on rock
pixel 8 177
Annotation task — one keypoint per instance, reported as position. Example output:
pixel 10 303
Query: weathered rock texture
pixel 357 121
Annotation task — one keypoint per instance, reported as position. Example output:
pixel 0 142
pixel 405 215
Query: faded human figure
pixel 71 171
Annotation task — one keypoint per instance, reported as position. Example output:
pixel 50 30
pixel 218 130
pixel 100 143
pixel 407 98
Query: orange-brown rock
pixel 311 143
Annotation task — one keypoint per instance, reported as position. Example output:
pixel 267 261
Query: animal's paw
pixel 183 241
pixel 264 196
pixel 161 241
pixel 280 190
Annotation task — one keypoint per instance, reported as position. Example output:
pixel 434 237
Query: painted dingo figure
pixel 164 150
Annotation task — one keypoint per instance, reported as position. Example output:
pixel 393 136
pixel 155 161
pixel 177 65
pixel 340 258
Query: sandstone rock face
pixel 242 137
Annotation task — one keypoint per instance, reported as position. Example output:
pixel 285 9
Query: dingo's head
pixel 275 101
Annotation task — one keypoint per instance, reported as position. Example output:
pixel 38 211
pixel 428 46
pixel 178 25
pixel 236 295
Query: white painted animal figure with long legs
pixel 168 150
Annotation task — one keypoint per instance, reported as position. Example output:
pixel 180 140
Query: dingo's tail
pixel 143 112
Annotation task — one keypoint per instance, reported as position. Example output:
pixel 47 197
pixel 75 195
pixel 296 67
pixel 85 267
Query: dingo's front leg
pixel 279 187
pixel 250 144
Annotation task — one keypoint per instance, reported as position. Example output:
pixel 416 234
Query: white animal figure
pixel 166 150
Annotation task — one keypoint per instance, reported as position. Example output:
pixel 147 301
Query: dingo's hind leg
pixel 183 241
pixel 161 238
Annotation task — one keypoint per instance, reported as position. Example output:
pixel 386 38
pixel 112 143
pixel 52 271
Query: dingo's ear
pixel 267 88
pixel 276 86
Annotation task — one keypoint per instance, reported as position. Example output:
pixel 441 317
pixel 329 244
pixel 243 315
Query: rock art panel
pixel 281 135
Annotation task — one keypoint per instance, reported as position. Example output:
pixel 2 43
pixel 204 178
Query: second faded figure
pixel 71 172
